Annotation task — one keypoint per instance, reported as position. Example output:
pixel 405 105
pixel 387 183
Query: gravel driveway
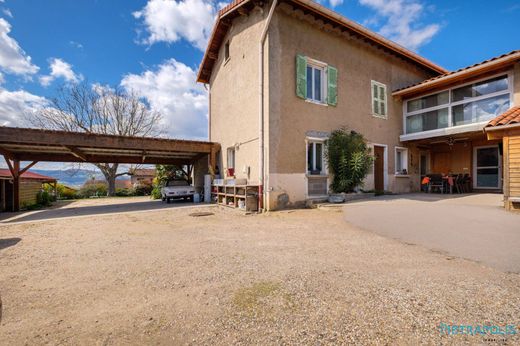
pixel 301 277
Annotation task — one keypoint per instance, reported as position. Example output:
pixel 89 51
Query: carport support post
pixel 16 185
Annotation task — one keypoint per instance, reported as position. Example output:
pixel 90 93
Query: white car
pixel 177 189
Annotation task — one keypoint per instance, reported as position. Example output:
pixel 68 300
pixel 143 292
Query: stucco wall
pixel 234 96
pixel 291 117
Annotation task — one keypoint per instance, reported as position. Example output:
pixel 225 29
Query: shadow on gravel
pixel 8 242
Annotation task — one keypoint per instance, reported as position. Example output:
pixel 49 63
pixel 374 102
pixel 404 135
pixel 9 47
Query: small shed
pixel 507 127
pixel 30 185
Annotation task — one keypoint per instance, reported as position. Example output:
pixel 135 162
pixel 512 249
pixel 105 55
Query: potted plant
pixel 349 160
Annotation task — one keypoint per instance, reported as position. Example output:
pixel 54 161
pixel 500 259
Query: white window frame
pixel 404 160
pixel 475 168
pixel 315 141
pixel 378 99
pixel 322 67
pixel 231 157
pixel 449 105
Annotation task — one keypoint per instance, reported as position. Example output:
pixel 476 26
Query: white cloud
pixel 7 12
pixel 335 3
pixel 169 21
pixel 76 44
pixel 60 69
pixel 402 21
pixel 171 90
pixel 12 58
pixel 15 106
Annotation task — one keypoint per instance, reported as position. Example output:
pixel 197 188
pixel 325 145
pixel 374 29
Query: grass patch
pixel 250 298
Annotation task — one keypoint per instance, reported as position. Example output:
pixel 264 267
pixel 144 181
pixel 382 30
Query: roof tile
pixel 511 116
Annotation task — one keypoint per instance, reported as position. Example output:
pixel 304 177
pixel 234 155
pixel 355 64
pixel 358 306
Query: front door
pixel 379 168
pixel 486 167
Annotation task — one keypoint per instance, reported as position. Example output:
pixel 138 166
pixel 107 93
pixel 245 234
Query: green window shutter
pixel 332 88
pixel 301 76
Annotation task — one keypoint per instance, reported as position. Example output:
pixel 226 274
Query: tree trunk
pixel 110 173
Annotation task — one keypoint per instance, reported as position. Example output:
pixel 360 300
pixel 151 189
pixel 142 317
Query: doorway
pixel 379 167
pixel 487 167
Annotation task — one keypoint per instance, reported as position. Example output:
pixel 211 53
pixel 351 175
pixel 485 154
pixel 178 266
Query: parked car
pixel 177 189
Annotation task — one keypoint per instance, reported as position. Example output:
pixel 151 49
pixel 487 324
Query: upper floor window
pixel 316 81
pixel 471 103
pixel 379 107
pixel 226 51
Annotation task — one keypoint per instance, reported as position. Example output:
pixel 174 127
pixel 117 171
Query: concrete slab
pixel 473 226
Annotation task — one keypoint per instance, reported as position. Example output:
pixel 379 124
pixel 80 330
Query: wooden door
pixel 379 168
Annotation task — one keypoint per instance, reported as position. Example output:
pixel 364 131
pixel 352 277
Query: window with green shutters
pixel 316 81
pixel 379 106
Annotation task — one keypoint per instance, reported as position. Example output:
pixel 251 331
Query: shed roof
pixel 509 117
pixel 6 173
pixel 226 14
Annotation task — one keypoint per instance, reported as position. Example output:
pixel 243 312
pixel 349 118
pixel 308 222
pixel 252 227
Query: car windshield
pixel 177 183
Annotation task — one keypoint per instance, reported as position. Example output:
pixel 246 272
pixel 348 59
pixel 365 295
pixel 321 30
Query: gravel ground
pixel 298 277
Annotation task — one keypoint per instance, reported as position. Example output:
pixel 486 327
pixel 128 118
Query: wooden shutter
pixel 332 88
pixel 382 99
pixel 301 76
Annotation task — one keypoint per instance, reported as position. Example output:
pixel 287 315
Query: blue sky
pixel 154 47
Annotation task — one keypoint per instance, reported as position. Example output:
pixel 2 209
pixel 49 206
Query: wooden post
pixel 16 185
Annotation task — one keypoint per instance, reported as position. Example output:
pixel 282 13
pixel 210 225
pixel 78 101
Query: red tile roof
pixel 512 116
pixel 222 25
pixel 6 173
pixel 465 72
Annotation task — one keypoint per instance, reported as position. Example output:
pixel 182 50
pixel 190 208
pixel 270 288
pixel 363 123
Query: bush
pixel 93 189
pixel 43 198
pixel 124 192
pixel 156 189
pixel 349 160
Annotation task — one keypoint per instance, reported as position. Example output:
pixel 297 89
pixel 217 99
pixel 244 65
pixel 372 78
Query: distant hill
pixel 73 177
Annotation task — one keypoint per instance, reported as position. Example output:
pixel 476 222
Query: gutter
pixel 501 127
pixel 261 167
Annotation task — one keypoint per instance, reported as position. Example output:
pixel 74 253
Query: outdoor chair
pixel 459 183
pixel 436 182
pixel 466 183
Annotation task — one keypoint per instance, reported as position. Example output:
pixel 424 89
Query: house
pixel 507 128
pixel 444 118
pixel 282 75
pixel 30 185
pixel 142 176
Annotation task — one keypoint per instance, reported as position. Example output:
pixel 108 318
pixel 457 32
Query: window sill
pixel 226 61
pixel 380 116
pixel 316 175
pixel 316 102
pixel 402 176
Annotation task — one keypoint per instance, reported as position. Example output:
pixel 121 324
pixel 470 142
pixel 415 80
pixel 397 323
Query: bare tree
pixel 99 109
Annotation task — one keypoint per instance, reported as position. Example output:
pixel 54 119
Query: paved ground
pixel 471 226
pixel 92 207
pixel 299 277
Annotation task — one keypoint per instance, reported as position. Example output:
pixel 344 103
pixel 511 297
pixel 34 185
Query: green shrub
pixel 349 160
pixel 43 198
pixel 93 189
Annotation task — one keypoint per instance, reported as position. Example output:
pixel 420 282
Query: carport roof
pixel 25 144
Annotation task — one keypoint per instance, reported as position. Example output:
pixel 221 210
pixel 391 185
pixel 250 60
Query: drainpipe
pixel 261 106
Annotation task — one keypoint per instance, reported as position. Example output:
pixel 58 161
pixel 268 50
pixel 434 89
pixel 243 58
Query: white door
pixel 487 167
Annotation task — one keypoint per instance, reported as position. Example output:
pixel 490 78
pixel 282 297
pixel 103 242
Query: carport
pixel 34 145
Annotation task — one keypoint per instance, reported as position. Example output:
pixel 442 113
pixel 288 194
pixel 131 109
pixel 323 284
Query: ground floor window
pixel 315 157
pixel 401 160
pixel 487 167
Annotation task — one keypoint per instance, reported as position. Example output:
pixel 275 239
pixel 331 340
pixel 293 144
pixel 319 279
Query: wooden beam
pixel 213 55
pixel 7 153
pixel 143 156
pixel 27 167
pixel 16 185
pixel 10 165
pixel 76 152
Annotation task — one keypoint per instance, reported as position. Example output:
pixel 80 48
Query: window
pixel 315 83
pixel 379 108
pixel 226 51
pixel 231 158
pixel 469 104
pixel 401 160
pixel 315 158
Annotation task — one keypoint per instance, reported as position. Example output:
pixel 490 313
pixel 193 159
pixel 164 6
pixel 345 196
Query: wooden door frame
pixel 474 167
pixel 385 165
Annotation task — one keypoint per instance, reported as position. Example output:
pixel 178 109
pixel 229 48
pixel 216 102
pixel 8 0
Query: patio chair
pixel 436 182
pixel 459 183
pixel 466 183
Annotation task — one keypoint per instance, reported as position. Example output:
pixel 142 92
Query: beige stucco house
pixel 282 75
